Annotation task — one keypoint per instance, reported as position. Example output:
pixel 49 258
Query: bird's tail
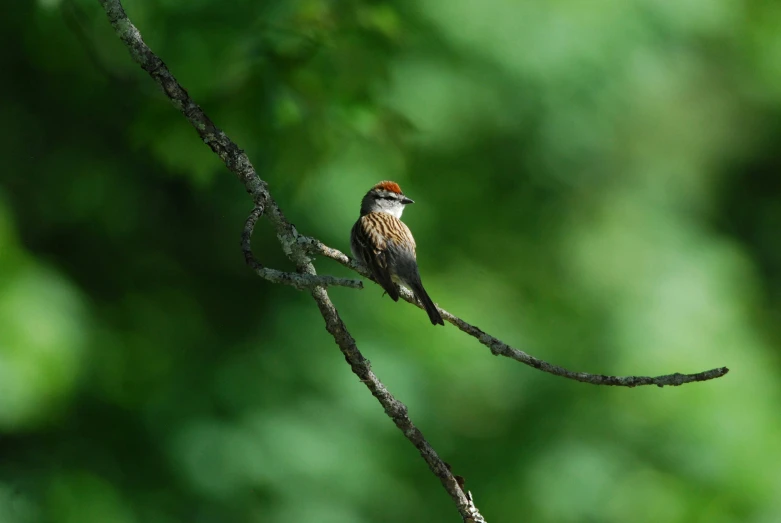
pixel 431 309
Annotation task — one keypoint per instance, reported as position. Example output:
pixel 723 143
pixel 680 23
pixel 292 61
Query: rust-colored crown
pixel 388 186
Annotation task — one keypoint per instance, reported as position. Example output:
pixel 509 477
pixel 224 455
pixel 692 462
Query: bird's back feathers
pixel 381 241
pixel 384 244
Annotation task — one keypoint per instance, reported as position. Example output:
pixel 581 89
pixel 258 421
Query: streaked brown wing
pixel 388 228
pixel 372 249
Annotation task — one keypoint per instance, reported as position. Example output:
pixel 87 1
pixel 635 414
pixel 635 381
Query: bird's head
pixel 385 197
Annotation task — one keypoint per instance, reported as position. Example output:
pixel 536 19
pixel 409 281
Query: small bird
pixel 382 243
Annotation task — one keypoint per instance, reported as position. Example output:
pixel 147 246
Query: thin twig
pixel 294 279
pixel 238 163
pixel 499 348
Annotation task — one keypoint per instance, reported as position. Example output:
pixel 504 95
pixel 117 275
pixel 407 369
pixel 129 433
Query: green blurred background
pixel 598 183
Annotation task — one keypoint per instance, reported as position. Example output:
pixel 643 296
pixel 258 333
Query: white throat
pixel 396 211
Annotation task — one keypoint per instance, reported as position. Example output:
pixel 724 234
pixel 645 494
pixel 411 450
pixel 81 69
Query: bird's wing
pixel 373 232
pixel 408 238
pixel 371 249
pixel 391 229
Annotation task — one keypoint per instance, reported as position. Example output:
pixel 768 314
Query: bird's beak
pixel 407 201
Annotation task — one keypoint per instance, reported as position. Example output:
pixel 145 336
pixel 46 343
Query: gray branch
pixel 238 163
pixel 499 348
pixel 294 279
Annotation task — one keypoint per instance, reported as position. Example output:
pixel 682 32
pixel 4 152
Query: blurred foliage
pixel 598 184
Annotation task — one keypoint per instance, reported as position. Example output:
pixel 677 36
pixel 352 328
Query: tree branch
pixel 499 348
pixel 294 279
pixel 238 163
